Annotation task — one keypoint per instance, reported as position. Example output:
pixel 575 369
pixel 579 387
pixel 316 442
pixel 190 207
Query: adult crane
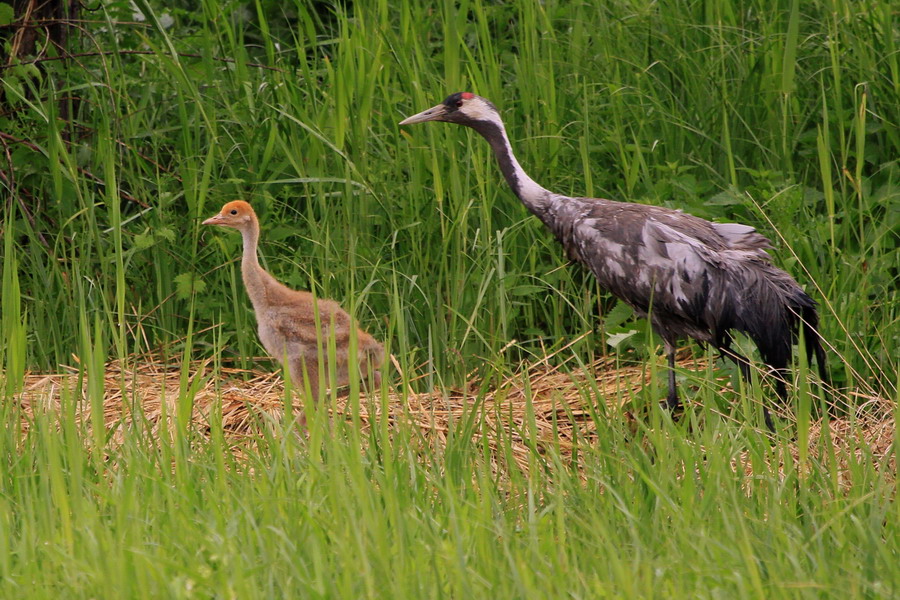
pixel 691 277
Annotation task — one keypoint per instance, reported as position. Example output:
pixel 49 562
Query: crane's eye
pixel 234 211
pixel 459 103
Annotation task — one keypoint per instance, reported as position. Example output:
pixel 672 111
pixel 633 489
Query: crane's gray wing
pixel 742 237
pixel 654 257
pixel 680 268
pixel 640 259
pixel 654 266
pixel 703 284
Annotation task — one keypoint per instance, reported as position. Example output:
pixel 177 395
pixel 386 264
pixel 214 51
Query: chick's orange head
pixel 234 214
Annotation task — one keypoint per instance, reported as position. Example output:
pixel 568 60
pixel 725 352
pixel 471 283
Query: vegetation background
pixel 123 124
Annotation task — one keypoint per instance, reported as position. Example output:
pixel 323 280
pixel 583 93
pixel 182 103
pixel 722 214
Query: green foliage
pixel 187 284
pixel 781 115
pixel 777 118
pixel 7 14
pixel 347 513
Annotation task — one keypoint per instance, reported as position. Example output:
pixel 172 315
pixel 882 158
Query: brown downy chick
pixel 286 317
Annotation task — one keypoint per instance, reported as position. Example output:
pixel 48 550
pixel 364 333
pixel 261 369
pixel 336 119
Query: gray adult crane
pixel 691 277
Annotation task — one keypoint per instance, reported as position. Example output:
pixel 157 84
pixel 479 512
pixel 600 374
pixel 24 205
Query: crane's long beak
pixel 435 113
pixel 216 220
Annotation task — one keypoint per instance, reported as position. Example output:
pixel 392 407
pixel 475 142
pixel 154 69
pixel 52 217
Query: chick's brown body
pixel 294 327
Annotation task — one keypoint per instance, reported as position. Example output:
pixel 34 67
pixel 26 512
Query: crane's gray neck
pixel 532 195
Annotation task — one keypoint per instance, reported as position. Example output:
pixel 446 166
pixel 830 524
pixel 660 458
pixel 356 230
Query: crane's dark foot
pixel 770 424
pixel 673 403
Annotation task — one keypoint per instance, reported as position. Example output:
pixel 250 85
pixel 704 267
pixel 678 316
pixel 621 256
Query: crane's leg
pixel 744 365
pixel 672 398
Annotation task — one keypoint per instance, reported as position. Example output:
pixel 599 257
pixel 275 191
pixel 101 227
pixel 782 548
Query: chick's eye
pixel 233 211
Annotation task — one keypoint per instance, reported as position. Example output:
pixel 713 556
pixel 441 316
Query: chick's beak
pixel 435 113
pixel 215 220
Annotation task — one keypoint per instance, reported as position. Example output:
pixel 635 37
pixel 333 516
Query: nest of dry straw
pixel 150 387
pixel 556 405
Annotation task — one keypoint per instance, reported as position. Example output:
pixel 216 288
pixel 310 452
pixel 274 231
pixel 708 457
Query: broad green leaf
pixel 616 339
pixel 186 284
pixel 7 14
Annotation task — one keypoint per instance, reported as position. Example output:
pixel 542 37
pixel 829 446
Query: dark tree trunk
pixel 40 29
pixel 38 25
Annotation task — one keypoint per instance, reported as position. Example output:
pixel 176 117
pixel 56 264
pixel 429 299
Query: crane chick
pixel 691 277
pixel 287 318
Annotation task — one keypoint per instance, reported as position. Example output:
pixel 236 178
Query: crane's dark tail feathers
pixel 777 320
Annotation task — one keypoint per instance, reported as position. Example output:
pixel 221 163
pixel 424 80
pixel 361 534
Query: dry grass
pixel 146 391
pixel 843 443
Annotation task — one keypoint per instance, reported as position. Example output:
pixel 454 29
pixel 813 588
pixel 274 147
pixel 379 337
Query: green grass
pixel 646 515
pixel 780 115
